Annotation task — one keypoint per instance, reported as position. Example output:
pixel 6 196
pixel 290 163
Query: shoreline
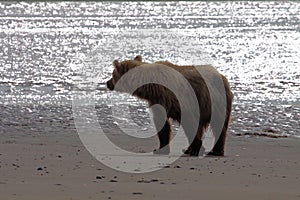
pixel 59 167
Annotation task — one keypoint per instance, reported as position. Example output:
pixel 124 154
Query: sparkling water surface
pixel 45 47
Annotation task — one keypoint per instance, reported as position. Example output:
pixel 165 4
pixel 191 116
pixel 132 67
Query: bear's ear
pixel 116 64
pixel 118 67
pixel 138 58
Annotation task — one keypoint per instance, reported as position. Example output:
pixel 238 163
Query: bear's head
pixel 120 68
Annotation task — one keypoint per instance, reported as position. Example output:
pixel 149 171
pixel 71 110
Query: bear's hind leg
pixel 195 148
pixel 218 149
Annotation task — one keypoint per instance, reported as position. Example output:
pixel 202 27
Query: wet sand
pixel 57 166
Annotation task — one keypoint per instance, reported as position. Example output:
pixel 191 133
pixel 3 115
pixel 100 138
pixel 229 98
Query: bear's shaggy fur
pixel 159 94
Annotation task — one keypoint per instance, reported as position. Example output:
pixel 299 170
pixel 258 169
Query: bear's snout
pixel 110 85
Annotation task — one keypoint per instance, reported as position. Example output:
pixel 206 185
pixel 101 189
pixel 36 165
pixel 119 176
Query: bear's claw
pixel 190 151
pixel 212 153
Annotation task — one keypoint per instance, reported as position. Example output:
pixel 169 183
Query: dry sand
pixel 59 167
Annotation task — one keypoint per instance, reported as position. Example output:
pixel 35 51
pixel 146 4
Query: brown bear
pixel 160 94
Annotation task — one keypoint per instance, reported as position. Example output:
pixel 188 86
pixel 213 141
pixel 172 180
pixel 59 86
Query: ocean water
pixel 48 48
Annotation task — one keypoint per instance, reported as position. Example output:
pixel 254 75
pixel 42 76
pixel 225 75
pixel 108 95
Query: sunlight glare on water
pixel 255 44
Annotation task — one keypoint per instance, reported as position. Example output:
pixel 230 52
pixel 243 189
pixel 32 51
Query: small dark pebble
pixel 113 181
pixel 137 193
pixel 59 156
pixel 147 181
pixel 98 177
pixel 39 169
pixel 15 165
pixel 167 166
pixel 192 168
pixel 177 166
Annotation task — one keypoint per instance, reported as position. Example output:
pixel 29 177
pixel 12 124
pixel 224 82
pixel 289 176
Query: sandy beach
pixel 58 166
